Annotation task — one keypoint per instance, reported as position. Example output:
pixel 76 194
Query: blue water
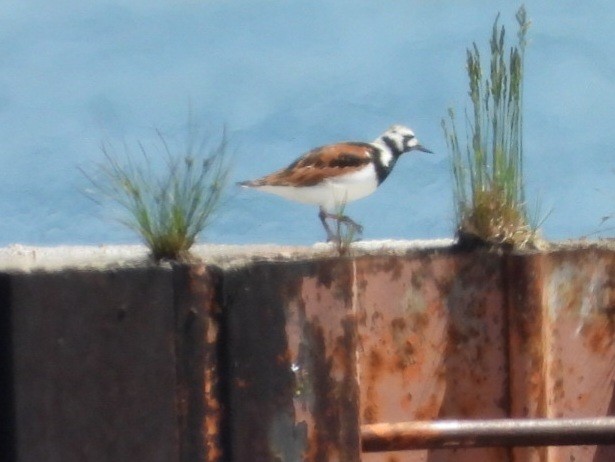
pixel 286 76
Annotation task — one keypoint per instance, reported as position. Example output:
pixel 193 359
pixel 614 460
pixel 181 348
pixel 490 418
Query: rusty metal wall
pixel 432 344
pixel 8 444
pixel 525 361
pixel 277 361
pixel 292 342
pixel 562 308
pixel 484 335
pixel 93 361
pixel 111 365
pixel 198 352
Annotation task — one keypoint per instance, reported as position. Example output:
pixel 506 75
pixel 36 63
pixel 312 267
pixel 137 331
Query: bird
pixel 330 176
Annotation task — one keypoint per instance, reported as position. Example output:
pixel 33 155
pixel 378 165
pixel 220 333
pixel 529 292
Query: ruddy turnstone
pixel 333 175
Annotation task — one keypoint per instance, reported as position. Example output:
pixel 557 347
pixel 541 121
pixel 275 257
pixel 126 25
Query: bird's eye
pixel 407 140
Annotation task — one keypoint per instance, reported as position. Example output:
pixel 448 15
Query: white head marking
pixel 399 139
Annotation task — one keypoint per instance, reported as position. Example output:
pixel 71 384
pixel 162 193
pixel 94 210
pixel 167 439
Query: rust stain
pixel 558 390
pixel 598 333
pixel 337 277
pixel 418 321
pixel 322 335
pixel 241 383
pixel 600 339
pixel 524 279
pixel 261 385
pixel 417 279
pixel 370 408
pixel 429 410
pixel 319 369
pixel 375 362
pixel 283 358
pixel 390 265
pixel 398 324
pixel 376 317
pixel 348 397
pixel 197 346
pixel 404 349
pixel 375 366
pixel 333 407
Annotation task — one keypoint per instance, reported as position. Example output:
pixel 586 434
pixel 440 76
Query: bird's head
pixel 400 139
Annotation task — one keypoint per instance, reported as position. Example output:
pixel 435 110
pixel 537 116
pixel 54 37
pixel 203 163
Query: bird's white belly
pixel 331 193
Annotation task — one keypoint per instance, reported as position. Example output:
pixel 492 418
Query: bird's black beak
pixel 422 148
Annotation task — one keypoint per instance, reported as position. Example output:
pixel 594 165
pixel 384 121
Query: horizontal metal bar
pixel 484 433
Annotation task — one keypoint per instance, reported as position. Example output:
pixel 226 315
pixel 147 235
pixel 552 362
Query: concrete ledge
pixel 27 258
pixel 19 257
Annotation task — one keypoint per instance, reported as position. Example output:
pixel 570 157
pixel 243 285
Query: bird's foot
pixel 340 237
pixel 332 237
pixel 356 227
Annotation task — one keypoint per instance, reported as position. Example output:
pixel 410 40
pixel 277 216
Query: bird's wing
pixel 320 163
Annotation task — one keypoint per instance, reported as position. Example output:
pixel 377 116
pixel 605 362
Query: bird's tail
pixel 247 183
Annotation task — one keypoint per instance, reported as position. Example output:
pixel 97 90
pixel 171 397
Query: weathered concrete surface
pixel 26 258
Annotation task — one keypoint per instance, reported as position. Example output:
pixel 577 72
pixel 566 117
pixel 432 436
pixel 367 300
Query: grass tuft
pixel 488 181
pixel 166 206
